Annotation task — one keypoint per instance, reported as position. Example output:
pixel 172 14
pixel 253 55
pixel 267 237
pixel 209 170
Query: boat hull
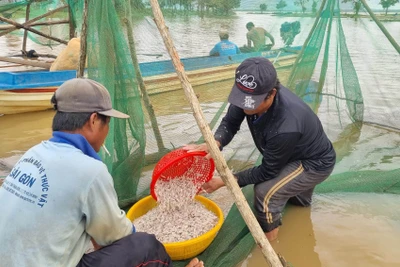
pixel 32 91
pixel 12 102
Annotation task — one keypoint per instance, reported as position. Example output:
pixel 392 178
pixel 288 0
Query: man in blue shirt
pixel 60 195
pixel 225 47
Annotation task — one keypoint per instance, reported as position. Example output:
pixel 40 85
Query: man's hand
pixel 196 148
pixel 95 245
pixel 214 184
pixel 195 263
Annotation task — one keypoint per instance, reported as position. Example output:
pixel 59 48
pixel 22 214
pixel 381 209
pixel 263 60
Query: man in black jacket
pixel 297 154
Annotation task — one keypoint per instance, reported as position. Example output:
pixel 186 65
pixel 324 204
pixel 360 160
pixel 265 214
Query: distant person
pixel 225 47
pixel 256 39
pixel 60 195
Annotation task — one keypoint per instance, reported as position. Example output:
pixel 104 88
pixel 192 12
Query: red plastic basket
pixel 180 163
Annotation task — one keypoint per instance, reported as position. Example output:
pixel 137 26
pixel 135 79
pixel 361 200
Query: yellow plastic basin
pixel 185 249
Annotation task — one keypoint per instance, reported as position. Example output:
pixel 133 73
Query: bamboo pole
pixel 49 23
pixel 300 55
pixel 38 55
pixel 324 66
pixel 220 163
pixel 32 20
pixel 6 27
pixel 142 86
pixel 27 62
pixel 26 27
pixel 11 66
pixel 28 9
pixel 45 23
pixel 380 25
pixel 47 14
pixel 71 24
pixel 82 57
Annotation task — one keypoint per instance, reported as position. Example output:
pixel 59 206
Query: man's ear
pixel 93 118
pixel 273 93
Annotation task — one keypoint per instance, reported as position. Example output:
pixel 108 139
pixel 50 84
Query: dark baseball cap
pixel 85 95
pixel 255 77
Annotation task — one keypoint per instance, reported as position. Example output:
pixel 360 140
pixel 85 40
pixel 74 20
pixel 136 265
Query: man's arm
pixel 214 51
pixel 230 125
pixel 270 37
pixel 105 221
pixel 248 39
pixel 277 152
pixel 237 50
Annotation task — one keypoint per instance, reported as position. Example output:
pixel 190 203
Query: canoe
pixel 32 90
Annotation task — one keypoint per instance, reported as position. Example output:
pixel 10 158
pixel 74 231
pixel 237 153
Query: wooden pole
pixel 28 8
pixel 47 14
pixel 71 24
pixel 18 25
pixel 325 61
pixel 49 23
pixel 142 86
pixel 32 20
pixel 36 54
pixel 82 57
pixel 317 18
pixel 220 163
pixel 6 27
pixel 383 29
pixel 46 23
pixel 27 62
pixel 11 66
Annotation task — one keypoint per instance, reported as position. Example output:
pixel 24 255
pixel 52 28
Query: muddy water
pixel 343 230
pixel 20 132
pixel 339 229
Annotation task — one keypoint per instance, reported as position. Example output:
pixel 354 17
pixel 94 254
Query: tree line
pixel 218 7
pixel 386 4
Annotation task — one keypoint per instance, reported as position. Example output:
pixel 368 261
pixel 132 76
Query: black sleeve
pixel 230 125
pixel 277 152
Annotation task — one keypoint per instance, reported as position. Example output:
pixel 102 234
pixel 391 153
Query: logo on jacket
pixel 247 81
pixel 249 102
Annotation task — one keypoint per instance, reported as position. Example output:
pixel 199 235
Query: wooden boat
pixel 32 90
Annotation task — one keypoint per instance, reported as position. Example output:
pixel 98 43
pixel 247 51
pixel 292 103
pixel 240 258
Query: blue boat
pixel 31 90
